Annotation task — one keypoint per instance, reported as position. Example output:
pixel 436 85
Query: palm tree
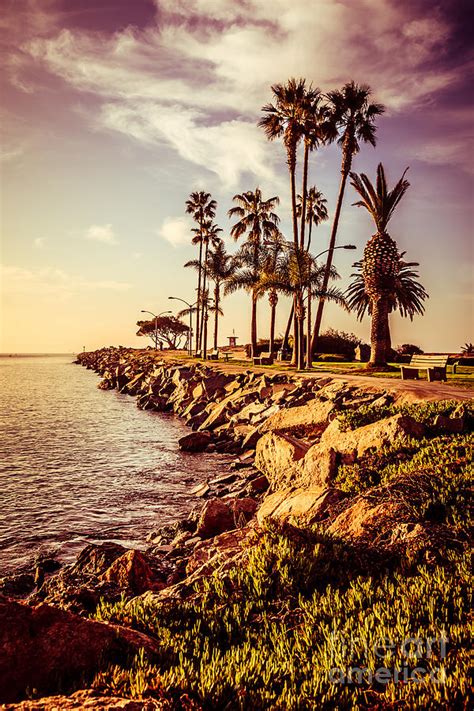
pixel 247 276
pixel 351 114
pixel 220 267
pixel 407 296
pixel 210 237
pixel 267 270
pixel 292 117
pixel 202 208
pixel 316 210
pixel 260 223
pixel 380 264
pixel 295 267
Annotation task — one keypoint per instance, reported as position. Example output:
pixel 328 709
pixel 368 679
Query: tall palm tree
pixel 352 115
pixel 290 118
pixel 201 206
pixel 220 267
pixel 381 261
pixel 210 237
pixel 259 222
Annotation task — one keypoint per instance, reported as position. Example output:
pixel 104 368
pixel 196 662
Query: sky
pixel 113 111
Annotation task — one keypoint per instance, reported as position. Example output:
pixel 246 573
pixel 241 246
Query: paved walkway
pixel 403 389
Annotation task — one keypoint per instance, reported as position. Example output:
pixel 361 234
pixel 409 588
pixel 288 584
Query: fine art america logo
pixel 413 659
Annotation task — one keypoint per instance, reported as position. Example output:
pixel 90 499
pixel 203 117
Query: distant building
pixel 232 341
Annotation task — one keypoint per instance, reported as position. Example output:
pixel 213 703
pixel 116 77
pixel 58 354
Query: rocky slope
pixel 311 454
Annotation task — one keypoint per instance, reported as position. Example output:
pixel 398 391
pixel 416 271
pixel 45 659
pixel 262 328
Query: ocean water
pixel 81 465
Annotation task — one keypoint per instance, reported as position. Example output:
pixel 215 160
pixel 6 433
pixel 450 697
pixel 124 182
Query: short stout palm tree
pixel 381 261
pixel 407 296
pixel 352 116
pixel 202 208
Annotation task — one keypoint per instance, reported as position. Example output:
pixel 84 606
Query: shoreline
pixel 309 460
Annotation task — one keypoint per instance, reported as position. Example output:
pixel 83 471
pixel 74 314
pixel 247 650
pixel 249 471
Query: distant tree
pixel 408 349
pixel 468 349
pixel 165 328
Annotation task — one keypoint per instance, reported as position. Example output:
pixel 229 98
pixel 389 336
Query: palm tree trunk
pixel 204 280
pixel 216 316
pixel 309 359
pixel 273 305
pixel 205 318
pixel 305 188
pixel 378 332
pixel 284 345
pixel 198 344
pixel 253 326
pixel 332 244
pixel 309 235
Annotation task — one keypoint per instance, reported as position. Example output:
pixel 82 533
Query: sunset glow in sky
pixel 113 111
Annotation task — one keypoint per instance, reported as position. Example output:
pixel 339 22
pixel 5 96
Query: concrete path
pixel 404 390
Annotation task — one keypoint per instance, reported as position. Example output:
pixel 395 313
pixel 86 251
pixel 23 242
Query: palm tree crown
pixel 379 201
pixel 257 216
pixel 407 296
pixel 353 116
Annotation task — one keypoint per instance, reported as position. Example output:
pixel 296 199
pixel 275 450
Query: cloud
pixel 196 80
pixel 49 281
pixel 101 233
pixel 175 230
pixel 39 242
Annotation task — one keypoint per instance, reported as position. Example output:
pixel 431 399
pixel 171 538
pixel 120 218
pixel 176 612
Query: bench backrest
pixel 265 354
pixel 429 361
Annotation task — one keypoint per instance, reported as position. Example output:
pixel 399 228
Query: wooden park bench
pixel 264 358
pixel 435 366
pixel 214 355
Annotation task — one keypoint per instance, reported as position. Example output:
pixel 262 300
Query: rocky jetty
pixel 307 453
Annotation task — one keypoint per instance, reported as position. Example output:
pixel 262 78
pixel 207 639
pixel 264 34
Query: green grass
pixel 271 633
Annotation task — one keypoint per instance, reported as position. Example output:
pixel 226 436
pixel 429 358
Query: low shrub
pixel 332 358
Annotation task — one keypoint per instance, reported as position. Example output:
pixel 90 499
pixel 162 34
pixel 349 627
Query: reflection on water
pixel 80 465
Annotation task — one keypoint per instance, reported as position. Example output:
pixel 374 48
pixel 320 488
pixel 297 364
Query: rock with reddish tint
pixel 259 484
pixel 43 648
pixel 368 520
pixel 219 515
pixel 86 699
pixel 135 572
pixel 194 442
pixel 308 504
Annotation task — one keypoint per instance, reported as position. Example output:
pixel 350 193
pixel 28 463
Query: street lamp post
pixel 190 307
pixel 156 317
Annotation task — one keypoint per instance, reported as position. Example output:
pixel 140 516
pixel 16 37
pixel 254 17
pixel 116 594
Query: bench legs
pixel 436 374
pixel 409 373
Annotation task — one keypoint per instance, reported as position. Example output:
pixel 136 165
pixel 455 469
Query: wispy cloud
pixel 197 80
pixel 101 233
pixel 39 242
pixel 49 281
pixel 175 230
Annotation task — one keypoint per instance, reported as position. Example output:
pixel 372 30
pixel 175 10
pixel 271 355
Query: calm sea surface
pixel 80 465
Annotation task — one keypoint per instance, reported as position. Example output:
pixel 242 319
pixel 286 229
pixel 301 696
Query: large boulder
pixel 86 699
pixel 311 505
pixel 135 572
pixel 44 648
pixel 194 442
pixel 355 443
pixel 279 456
pixel 316 413
pixel 219 515
pixel 366 520
pixel 318 467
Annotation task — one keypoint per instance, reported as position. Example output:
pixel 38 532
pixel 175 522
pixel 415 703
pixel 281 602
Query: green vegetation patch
pixel 302 626
pixel 425 413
